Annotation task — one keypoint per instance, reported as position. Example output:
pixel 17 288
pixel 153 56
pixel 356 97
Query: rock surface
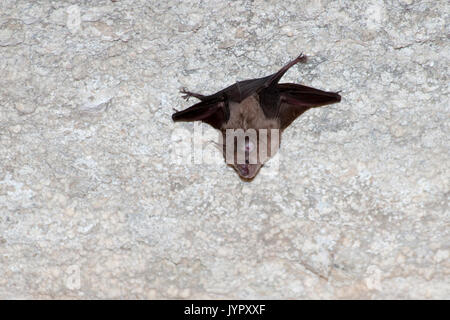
pixel 92 204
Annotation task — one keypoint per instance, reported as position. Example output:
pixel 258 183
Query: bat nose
pixel 243 169
pixel 249 146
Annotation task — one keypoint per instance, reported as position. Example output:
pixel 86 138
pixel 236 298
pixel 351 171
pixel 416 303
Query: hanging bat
pixel 252 114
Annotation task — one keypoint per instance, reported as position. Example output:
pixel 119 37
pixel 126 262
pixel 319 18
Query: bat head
pixel 247 151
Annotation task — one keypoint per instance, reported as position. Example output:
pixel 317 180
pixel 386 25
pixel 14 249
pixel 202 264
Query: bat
pixel 252 114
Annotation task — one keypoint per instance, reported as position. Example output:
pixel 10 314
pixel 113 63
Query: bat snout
pixel 247 171
pixel 243 169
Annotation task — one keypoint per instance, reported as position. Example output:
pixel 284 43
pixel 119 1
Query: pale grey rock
pixel 59 16
pixel 73 19
pixel 96 101
pixel 25 107
pixel 11 33
pixel 33 13
pixel 96 13
pixel 94 205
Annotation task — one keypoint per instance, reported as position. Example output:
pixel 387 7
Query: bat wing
pixel 214 110
pixel 294 99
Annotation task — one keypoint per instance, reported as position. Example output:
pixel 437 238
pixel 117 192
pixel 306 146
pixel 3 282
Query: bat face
pixel 242 155
pixel 252 114
pixel 247 151
pixel 249 138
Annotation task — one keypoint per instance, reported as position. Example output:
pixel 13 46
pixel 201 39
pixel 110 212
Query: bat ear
pixel 210 112
pixel 296 99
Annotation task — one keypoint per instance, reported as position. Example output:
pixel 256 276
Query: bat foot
pixel 187 94
pixel 301 58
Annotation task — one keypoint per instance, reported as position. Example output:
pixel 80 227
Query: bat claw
pixel 175 110
pixel 301 58
pixel 186 94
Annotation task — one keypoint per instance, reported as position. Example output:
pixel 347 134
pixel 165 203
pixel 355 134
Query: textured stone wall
pixel 92 206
